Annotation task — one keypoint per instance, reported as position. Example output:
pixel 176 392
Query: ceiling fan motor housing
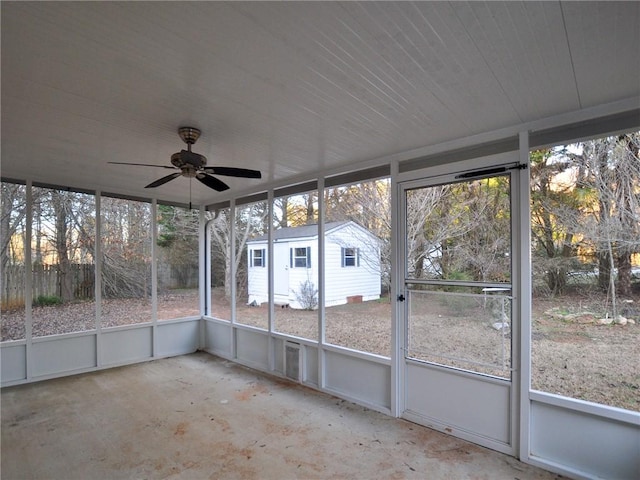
pixel 186 158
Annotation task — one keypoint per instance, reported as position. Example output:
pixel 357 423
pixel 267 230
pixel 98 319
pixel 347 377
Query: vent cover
pixel 292 361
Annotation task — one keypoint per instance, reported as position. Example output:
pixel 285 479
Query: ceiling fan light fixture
pixel 189 171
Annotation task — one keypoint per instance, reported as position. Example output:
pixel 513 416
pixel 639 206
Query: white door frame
pixel 507 440
pixel 281 269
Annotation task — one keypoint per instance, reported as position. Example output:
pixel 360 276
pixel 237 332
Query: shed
pixel 352 265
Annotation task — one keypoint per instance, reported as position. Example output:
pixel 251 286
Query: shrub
pixel 307 295
pixel 46 300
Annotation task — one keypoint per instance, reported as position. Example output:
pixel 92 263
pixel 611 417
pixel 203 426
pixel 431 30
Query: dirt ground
pixel 572 355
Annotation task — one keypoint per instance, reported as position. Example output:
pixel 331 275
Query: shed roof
pixel 304 231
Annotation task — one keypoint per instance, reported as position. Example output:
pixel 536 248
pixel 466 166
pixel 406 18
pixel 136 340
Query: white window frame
pixel 353 257
pixel 295 258
pixel 257 260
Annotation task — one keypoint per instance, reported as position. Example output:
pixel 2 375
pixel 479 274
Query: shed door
pixel 457 303
pixel 281 269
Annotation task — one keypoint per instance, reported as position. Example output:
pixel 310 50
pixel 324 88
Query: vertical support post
pixel 523 293
pixel 202 344
pixel 321 285
pixel 202 262
pixel 232 267
pixel 28 283
pixel 270 282
pixel 397 336
pixel 97 276
pixel 154 276
pixel 204 270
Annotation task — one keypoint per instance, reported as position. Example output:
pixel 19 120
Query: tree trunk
pixel 65 279
pixel 604 270
pixel 623 286
pixel 284 221
pixel 227 272
pixel 309 210
pixel 557 280
pixel 627 211
pixel 419 261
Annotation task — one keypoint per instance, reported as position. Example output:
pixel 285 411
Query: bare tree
pixel 126 248
pixel 555 216
pixel 250 221
pixel 295 210
pixel 586 203
pixel 13 213
pixel 614 179
pixel 178 234
pixel 220 230
pixel 369 205
pixel 61 205
pixel 627 194
pixel 484 250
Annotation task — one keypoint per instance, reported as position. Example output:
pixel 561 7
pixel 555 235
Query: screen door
pixel 458 304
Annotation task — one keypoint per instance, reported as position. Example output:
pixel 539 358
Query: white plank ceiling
pixel 289 88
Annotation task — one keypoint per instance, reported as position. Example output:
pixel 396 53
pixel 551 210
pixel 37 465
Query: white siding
pixel 340 282
pixel 297 275
pixel 258 286
pixel 362 279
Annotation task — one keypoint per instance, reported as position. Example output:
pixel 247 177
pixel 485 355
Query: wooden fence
pixel 46 281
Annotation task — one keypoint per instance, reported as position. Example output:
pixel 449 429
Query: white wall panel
pixel 252 348
pixel 59 355
pixel 459 402
pixel 14 363
pixel 122 346
pixel 311 365
pixel 585 444
pixel 278 356
pixel 177 338
pixel 358 379
pixel 217 337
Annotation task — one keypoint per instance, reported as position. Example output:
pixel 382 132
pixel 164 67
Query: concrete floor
pixel 201 417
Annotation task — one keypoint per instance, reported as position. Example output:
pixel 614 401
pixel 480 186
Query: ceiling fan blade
pixel 212 182
pixel 163 180
pixel 143 165
pixel 234 172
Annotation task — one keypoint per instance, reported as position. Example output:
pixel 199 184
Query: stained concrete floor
pixel 201 417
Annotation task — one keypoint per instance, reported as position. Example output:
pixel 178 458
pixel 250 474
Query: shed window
pixel 300 257
pixel 350 257
pixel 257 258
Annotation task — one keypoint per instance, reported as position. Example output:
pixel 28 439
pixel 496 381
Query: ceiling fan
pixel 193 165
